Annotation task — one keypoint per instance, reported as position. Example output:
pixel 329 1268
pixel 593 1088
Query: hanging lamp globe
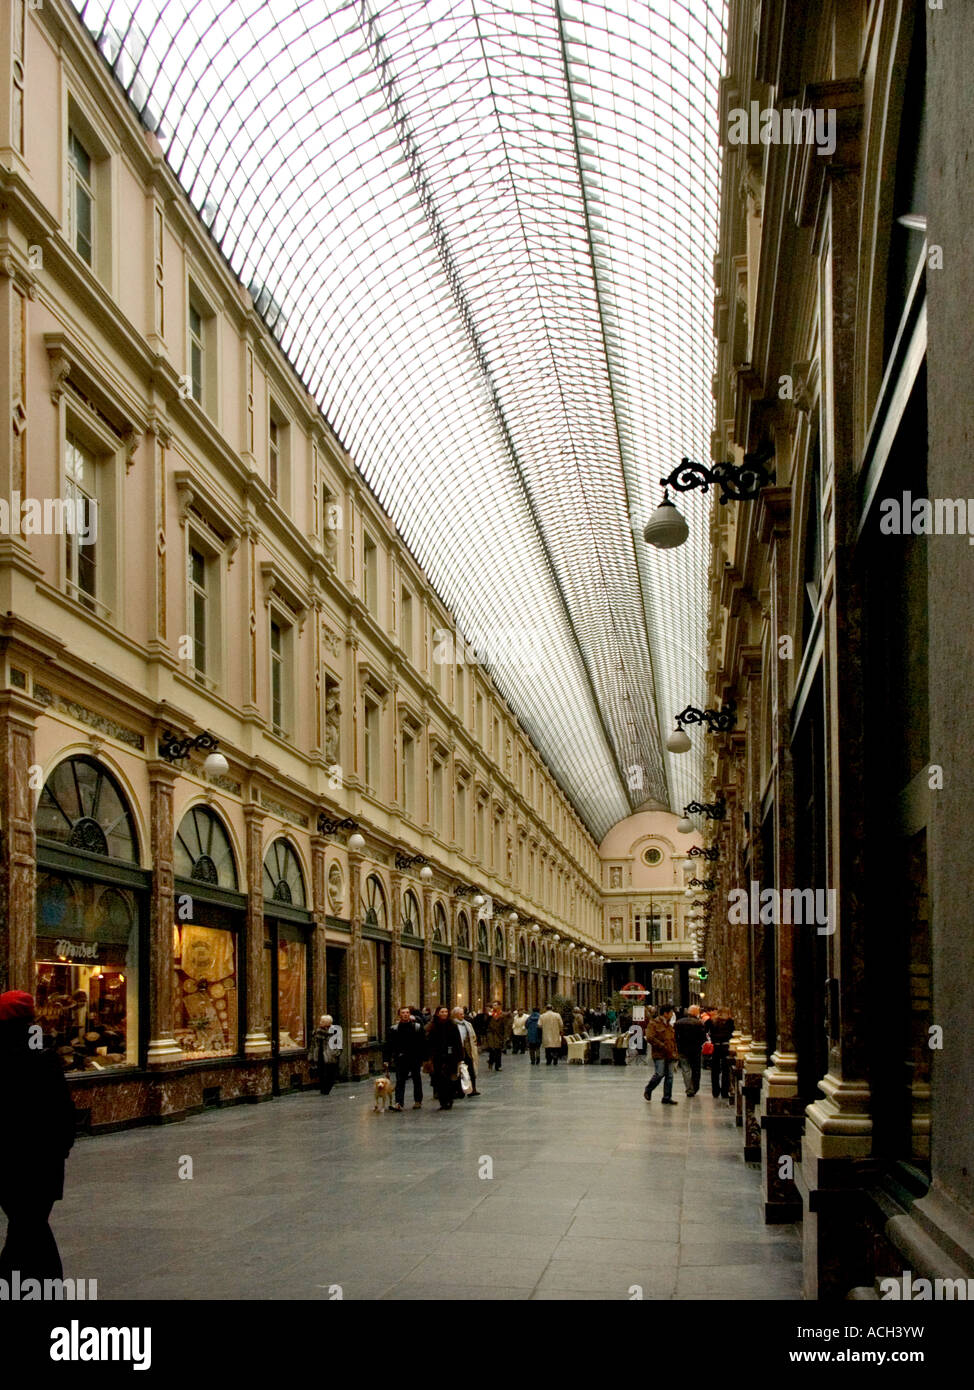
pixel 216 765
pixel 678 742
pixel 426 873
pixel 356 843
pixel 667 527
pixel 685 826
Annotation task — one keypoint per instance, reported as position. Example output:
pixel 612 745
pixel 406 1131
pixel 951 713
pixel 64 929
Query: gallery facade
pixel 838 931
pixel 189 556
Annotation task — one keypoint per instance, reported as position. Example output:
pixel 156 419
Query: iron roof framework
pixel 483 233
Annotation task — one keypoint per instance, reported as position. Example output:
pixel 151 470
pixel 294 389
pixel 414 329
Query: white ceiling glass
pixel 483 233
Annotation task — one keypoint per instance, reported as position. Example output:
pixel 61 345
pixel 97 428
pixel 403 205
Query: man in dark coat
pixel 499 1028
pixel 405 1052
pixel 445 1047
pixel 690 1034
pixel 720 1029
pixel 36 1137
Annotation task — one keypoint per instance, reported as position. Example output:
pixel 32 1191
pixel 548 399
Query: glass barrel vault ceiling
pixel 485 234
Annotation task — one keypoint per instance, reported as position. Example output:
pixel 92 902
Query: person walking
pixel 720 1029
pixel 519 1038
pixel 552 1029
pixel 532 1033
pixel 469 1039
pixel 405 1052
pixel 498 1032
pixel 38 1133
pixel 610 1018
pixel 445 1047
pixel 327 1044
pixel 663 1042
pixel 690 1034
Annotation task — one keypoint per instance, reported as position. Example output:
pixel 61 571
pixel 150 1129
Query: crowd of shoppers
pixel 446 1046
pixel 684 1041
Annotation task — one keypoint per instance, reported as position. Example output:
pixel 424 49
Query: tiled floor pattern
pixel 592 1192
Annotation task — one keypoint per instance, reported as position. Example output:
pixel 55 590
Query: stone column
pixel 395 946
pixel 838 1127
pixel 319 951
pixel 359 1064
pixel 429 988
pixel 256 1042
pixel 781 1111
pixel 755 1059
pixel 454 960
pixel 18 877
pixel 163 1048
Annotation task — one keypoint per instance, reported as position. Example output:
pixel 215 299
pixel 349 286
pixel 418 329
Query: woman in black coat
pixel 36 1136
pixel 445 1055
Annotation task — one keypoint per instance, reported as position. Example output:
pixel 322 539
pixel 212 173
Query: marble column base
pixel 257 1045
pixel 781 1115
pixel 740 1044
pixel 163 1052
pixel 837 1138
pixel 752 1074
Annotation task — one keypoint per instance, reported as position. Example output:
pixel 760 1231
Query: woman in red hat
pixel 37 1133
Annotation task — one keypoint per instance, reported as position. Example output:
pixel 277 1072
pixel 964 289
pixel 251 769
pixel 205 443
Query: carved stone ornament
pixel 60 371
pixel 336 889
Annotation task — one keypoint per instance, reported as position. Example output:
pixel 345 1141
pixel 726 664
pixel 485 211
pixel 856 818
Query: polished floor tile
pixel 562 1184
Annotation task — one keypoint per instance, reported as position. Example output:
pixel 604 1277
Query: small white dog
pixel 384 1093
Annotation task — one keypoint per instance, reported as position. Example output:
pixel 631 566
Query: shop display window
pixel 368 967
pixel 292 988
pixel 412 974
pixel 86 988
pixel 205 990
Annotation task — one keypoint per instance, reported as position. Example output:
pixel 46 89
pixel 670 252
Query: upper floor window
pixel 81 546
pixel 371 723
pixel 196 351
pixel 370 575
pixel 281 665
pixel 408 779
pixel 81 206
pixel 198 615
pixel 278 457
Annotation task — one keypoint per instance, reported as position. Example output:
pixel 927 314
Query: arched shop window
pixel 533 955
pixel 286 930
pixel 522 951
pixel 203 850
pixel 412 922
pixel 483 942
pixel 375 903
pixel 283 879
pixel 90 895
pixel 463 931
pixel 498 942
pixel 440 932
pixel 83 807
pixel 205 937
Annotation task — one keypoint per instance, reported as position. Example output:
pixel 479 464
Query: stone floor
pixel 593 1192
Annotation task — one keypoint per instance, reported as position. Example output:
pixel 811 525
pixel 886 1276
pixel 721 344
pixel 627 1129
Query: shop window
pixel 283 880
pixel 202 850
pixel 372 966
pixel 412 922
pixel 375 903
pixel 412 986
pixel 82 807
pixel 205 993
pixel 292 987
pixel 86 985
pixel 463 931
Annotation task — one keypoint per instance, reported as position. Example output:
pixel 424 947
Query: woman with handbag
pixel 470 1053
pixel 445 1055
pixel 326 1051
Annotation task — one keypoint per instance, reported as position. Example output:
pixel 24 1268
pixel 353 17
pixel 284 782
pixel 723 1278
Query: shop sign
pixel 77 950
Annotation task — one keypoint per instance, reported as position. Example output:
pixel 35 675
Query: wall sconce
pixel 717 721
pixel 709 883
pixel 738 482
pixel 172 748
pixel 406 861
pixel 711 854
pixel 327 826
pixel 713 810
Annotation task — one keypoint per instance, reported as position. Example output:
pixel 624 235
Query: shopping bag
pixel 465 1083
